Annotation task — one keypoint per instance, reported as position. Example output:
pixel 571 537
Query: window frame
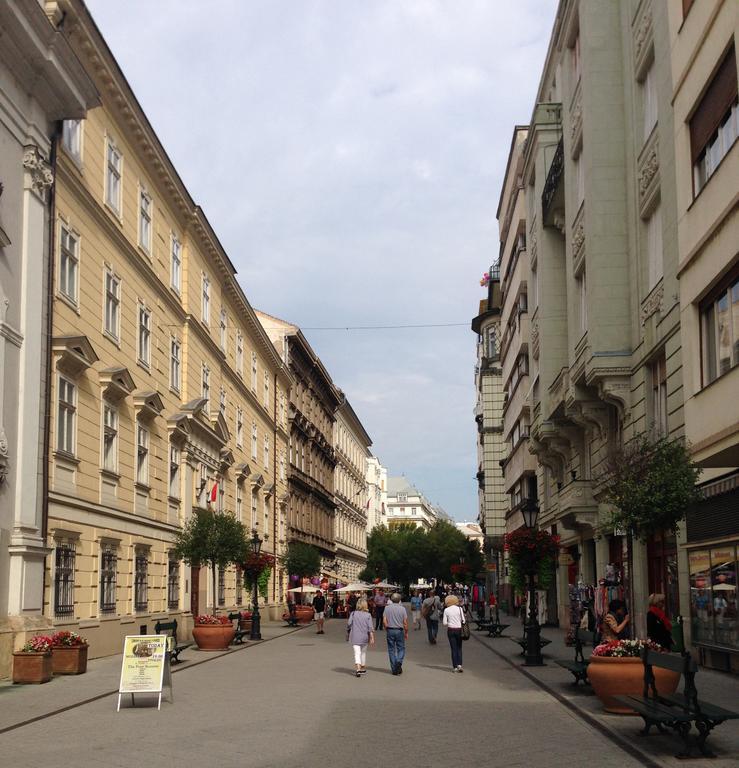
pixel 64 578
pixel 112 298
pixel 141 580
pixel 74 153
pixel 173 582
pixel 108 579
pixel 116 206
pixel 69 257
pixel 175 473
pixel 143 453
pixel 205 300
pixel 70 410
pixel 175 263
pixel 146 216
pixel 205 386
pixel 143 335
pixel 175 364
pixel 708 312
pixel 109 461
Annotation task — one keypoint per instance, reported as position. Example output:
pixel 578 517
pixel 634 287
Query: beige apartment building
pixel 703 38
pixel 406 505
pixel 167 395
pixel 493 505
pixel 313 402
pixel 605 358
pixel 352 444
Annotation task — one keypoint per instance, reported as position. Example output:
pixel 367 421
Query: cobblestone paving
pixel 294 703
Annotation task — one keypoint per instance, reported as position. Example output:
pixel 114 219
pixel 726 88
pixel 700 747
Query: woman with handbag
pixel 456 624
pixel 360 633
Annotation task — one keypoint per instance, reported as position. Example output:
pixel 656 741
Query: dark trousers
pixel 379 611
pixel 455 642
pixel 432 627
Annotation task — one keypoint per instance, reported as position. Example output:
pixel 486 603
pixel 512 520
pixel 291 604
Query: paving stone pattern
pixel 293 702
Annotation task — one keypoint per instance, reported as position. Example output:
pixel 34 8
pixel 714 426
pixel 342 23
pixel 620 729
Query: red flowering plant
pixel 211 621
pixel 258 567
pixel 38 644
pixel 623 649
pixel 67 640
pixel 531 551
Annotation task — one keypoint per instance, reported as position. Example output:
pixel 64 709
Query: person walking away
pixel 416 602
pixel 659 627
pixel 352 602
pixel 615 621
pixel 380 603
pixel 359 634
pixel 395 619
pixel 453 619
pixel 431 611
pixel 319 611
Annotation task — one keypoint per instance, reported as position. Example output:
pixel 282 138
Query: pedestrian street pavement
pixel 293 702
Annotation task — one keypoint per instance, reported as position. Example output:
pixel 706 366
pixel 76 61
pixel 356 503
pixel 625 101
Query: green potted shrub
pixel 68 653
pixel 32 663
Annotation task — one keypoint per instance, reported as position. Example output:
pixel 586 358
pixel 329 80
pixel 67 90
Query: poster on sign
pixel 144 667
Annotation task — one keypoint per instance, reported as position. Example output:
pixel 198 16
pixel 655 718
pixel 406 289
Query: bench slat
pixel 711 711
pixel 669 661
pixel 654 710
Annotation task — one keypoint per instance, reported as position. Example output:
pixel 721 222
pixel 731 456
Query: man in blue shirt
pixel 395 620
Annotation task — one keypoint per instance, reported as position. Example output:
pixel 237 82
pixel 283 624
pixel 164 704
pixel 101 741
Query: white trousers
pixel 360 654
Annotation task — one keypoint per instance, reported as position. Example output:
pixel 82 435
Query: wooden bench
pixel 170 628
pixel 579 665
pixel 677 711
pixel 240 633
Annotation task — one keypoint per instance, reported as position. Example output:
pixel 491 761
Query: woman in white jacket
pixel 452 619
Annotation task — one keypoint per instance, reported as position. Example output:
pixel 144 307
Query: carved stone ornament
pixel 643 34
pixel 648 170
pixel 576 120
pixel 4 456
pixel 653 303
pixel 578 241
pixel 40 171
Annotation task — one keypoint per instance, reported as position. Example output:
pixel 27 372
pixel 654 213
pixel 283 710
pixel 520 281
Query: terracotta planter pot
pixel 69 659
pixel 213 637
pixel 304 614
pixel 31 667
pixel 613 676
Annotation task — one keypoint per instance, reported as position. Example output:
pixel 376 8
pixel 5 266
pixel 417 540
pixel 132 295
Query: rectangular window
pixel 144 335
pixel 222 401
pixel 66 416
pixel 715 122
pixel 174 472
pixel 576 62
pixel 142 455
pixel 72 138
pixel 110 438
pixel 658 375
pixel 239 585
pixel 176 264
pixel 266 452
pixel 69 260
pixel 145 209
pixel 239 427
pixel 254 371
pixel 112 304
pixel 108 573
pixel 239 501
pixel 175 364
pixel 221 586
pixel 205 386
pixel 579 180
pixel 141 581
pixel 239 353
pixel 64 561
pixel 654 247
pixel 254 502
pixel 282 467
pixel 254 440
pixel 402 497
pixel 583 297
pixel 720 330
pixel 206 300
pixel 266 389
pixel 113 177
pixel 649 101
pixel 224 331
pixel 173 583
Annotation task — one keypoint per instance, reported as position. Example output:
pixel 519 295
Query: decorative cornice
pixel 653 303
pixel 643 33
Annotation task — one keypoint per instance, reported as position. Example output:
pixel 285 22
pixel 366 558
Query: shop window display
pixel 713 606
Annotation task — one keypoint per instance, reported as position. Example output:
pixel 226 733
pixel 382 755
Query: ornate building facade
pixel 166 394
pixel 313 401
pixel 41 83
pixel 376 494
pixel 406 505
pixel 352 444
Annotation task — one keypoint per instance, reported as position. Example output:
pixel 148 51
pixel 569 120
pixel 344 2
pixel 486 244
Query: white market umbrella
pixel 304 589
pixel 357 586
pixel 723 587
pixel 385 585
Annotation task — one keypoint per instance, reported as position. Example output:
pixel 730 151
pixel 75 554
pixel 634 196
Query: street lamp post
pixel 530 510
pixel 256 544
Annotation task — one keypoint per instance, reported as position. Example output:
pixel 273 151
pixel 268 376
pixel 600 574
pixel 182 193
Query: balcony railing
pixel 554 176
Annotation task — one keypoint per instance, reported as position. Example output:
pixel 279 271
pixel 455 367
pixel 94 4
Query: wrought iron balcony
pixel 554 176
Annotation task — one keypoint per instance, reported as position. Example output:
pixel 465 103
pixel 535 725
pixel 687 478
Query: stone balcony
pixel 577 505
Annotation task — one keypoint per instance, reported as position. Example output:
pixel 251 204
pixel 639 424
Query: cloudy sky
pixel 349 154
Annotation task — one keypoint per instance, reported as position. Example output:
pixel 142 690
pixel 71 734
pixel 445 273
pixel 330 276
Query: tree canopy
pixel 302 559
pixel 405 553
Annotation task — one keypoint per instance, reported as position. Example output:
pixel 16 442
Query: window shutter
pixel 713 106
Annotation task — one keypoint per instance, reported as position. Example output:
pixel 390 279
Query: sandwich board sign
pixel 144 667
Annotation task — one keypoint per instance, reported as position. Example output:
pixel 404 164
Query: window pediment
pixel 256 480
pixel 75 354
pixel 117 383
pixel 148 404
pixel 227 459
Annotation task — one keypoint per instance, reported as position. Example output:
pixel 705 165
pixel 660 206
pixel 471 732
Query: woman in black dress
pixel 659 627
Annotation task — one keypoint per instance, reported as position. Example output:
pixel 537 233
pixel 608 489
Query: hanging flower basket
pixel 531 551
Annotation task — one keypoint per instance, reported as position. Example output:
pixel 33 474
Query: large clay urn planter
pixel 624 676
pixel 304 614
pixel 245 621
pixel 31 667
pixel 69 659
pixel 213 637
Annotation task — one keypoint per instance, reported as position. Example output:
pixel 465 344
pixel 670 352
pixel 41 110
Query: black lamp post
pixel 530 511
pixel 256 544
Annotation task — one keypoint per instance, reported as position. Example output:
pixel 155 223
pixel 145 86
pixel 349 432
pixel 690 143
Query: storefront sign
pixel 143 666
pixel 492 567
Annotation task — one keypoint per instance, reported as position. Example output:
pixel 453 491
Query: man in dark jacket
pixel 319 608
